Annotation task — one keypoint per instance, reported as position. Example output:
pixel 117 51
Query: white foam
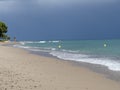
pixel 67 56
pixel 23 42
pixel 70 51
pixel 54 41
pixel 38 50
pixel 53 49
pixel 19 46
pixel 111 64
pixel 73 55
pixel 34 48
pixel 26 42
pixel 41 42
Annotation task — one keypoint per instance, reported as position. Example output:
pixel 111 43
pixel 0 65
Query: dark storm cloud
pixel 61 19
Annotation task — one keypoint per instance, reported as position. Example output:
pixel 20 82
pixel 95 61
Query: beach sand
pixel 21 70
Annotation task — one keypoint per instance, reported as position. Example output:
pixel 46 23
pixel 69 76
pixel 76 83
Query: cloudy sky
pixel 61 19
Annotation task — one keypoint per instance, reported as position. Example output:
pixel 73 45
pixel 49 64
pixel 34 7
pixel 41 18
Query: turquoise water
pixel 102 52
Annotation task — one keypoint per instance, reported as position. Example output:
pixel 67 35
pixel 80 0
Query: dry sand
pixel 20 70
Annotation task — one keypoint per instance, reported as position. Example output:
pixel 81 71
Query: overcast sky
pixel 61 19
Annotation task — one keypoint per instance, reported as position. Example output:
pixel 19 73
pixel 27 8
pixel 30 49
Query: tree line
pixel 3 31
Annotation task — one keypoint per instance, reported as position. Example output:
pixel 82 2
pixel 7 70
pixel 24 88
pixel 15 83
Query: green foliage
pixel 3 31
pixel 5 37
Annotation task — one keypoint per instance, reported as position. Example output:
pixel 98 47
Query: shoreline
pixel 22 70
pixel 111 63
pixel 101 69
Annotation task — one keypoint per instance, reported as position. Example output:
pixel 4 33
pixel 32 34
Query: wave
pixel 30 48
pixel 73 55
pixel 111 64
pixel 24 42
pixel 20 46
pixel 54 41
pixel 41 42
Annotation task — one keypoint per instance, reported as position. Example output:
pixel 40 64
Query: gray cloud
pixel 72 1
pixel 41 16
pixel 8 5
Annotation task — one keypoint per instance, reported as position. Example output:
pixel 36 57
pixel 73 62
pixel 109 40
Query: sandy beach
pixel 21 70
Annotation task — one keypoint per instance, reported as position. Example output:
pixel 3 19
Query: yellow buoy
pixel 59 46
pixel 105 45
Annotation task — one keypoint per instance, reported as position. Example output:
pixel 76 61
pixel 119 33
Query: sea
pixel 98 52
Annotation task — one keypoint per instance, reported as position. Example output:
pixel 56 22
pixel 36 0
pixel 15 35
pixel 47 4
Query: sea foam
pixel 111 64
pixel 51 47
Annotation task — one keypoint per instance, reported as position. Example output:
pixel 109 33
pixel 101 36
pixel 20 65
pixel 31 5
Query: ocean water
pixel 99 52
